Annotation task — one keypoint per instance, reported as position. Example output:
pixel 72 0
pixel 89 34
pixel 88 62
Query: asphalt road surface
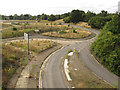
pixel 52 75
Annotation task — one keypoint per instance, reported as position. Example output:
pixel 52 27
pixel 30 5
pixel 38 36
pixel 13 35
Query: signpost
pixel 26 38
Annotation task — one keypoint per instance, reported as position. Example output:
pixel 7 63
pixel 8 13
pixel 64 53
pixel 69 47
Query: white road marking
pixel 66 70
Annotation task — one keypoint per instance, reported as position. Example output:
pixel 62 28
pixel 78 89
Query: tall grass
pixel 14 57
pixel 35 45
pixel 30 27
pixel 69 34
pixel 10 61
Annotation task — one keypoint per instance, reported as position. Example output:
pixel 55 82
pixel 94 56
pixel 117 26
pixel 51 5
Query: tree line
pixel 75 16
pixel 107 47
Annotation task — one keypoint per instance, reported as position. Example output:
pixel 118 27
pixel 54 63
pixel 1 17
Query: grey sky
pixel 35 7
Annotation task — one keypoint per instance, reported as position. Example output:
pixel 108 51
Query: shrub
pixel 14 28
pixel 106 48
pixel 62 32
pixel 74 31
pixel 98 22
pixel 67 20
pixel 70 51
pixel 114 25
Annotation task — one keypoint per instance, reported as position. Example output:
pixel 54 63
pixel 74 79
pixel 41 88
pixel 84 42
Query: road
pixel 52 75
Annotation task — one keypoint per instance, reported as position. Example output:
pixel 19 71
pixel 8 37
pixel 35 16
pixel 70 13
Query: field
pixel 36 46
pixel 14 56
pixel 71 34
pixel 16 28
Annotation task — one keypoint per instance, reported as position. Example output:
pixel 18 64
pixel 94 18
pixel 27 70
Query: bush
pixel 10 61
pixel 67 20
pixel 62 32
pixel 106 48
pixel 70 51
pixel 114 25
pixel 14 28
pixel 74 31
pixel 98 22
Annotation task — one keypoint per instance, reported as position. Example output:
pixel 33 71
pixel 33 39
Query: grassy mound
pixel 71 34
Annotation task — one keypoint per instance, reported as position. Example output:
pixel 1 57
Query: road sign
pixel 26 36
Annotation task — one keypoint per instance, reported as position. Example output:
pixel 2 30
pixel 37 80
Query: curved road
pixel 52 73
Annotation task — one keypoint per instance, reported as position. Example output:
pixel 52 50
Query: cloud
pixel 35 7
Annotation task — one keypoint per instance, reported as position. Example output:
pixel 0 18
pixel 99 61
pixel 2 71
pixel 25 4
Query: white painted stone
pixel 66 70
pixel 70 54
pixel 75 69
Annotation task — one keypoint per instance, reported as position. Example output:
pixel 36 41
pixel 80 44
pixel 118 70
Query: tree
pixel 15 17
pixel 11 17
pixel 58 17
pixel 65 15
pixel 88 16
pixel 51 18
pixel 67 20
pixel 103 13
pixel 97 22
pixel 77 16
pixel 38 16
pixel 44 17
pixel 107 49
pixel 14 29
pixel 114 25
pixel 21 17
pixel 27 17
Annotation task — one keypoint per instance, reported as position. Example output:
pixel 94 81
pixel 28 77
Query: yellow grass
pixel 61 20
pixel 69 34
pixel 81 24
pixel 35 45
pixel 84 24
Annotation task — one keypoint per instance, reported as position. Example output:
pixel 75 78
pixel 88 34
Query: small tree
pixel 74 31
pixel 14 28
pixel 67 20
pixel 51 18
pixel 77 16
pixel 97 22
pixel 88 16
pixel 113 25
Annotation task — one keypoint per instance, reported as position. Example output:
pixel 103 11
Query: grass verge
pixel 14 56
pixel 81 76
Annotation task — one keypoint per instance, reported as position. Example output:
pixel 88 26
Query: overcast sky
pixel 35 7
